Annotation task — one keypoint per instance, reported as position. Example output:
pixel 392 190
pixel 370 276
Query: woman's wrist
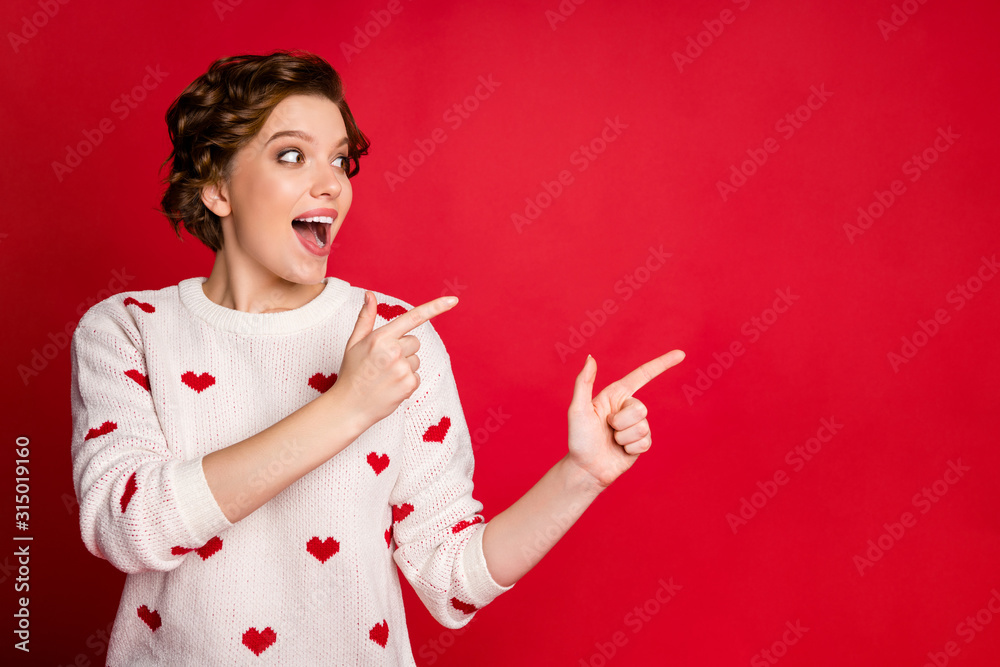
pixel 345 413
pixel 579 480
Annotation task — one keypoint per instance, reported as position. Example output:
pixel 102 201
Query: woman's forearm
pixel 517 538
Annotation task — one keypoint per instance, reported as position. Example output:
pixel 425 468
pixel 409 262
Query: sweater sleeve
pixel 142 507
pixel 437 523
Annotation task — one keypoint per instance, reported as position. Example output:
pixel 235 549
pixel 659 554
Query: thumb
pixel 583 391
pixel 366 320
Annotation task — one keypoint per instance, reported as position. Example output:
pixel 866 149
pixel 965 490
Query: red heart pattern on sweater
pixel 210 548
pixel 388 537
pixel 462 525
pixel 388 312
pixel 198 382
pixel 400 512
pixel 380 633
pixel 378 462
pixel 463 607
pixel 437 432
pixel 150 618
pixel 258 642
pixel 321 382
pixel 141 379
pixel 130 489
pixel 106 427
pixel 148 307
pixel 322 549
pixel 206 550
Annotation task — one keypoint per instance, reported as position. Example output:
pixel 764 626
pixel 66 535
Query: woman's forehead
pixel 300 108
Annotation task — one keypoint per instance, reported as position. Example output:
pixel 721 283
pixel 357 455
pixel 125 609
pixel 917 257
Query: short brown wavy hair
pixel 221 111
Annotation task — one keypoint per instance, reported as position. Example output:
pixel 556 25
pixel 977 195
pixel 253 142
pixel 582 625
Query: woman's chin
pixel 312 275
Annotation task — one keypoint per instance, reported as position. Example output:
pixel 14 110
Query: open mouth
pixel 315 228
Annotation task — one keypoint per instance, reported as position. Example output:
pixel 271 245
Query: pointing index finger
pixel 416 316
pixel 649 370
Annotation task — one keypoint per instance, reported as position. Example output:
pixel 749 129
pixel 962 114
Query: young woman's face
pixel 296 167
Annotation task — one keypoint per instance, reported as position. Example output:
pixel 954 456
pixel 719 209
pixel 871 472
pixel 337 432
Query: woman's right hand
pixel 379 367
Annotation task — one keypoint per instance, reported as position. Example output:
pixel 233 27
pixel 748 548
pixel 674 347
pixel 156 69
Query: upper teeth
pixel 318 218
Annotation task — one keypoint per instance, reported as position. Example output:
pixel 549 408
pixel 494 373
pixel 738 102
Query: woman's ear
pixel 215 198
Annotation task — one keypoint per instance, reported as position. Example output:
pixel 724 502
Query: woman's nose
pixel 326 182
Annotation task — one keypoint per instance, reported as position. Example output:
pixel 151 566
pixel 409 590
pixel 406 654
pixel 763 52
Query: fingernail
pixel 451 300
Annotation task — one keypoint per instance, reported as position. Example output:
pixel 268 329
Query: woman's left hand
pixel 608 432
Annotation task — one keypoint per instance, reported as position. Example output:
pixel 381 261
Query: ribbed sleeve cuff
pixel 480 581
pixel 198 508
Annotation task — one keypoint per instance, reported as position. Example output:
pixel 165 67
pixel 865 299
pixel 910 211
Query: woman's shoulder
pixel 390 301
pixel 123 309
pixel 390 307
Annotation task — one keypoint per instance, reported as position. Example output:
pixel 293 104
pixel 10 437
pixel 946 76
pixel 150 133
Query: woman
pixel 249 447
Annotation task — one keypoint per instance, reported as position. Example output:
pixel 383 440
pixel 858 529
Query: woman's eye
pixel 290 151
pixel 341 161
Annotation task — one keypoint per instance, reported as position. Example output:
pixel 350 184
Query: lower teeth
pixel 318 241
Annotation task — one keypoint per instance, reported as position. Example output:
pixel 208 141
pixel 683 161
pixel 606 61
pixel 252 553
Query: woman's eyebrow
pixel 305 136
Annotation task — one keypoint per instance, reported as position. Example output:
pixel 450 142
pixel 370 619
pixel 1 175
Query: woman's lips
pixel 327 212
pixel 317 222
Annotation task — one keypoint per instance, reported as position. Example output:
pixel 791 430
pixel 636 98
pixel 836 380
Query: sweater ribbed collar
pixel 193 296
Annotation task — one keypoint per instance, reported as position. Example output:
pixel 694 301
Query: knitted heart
pixel 322 550
pixel 259 641
pixel 150 618
pixel 321 382
pixel 378 463
pixel 207 550
pixel 210 548
pixel 130 488
pixel 400 512
pixel 462 525
pixel 437 432
pixel 145 306
pixel 463 607
pixel 379 633
pixel 388 537
pixel 388 312
pixel 139 378
pixel 106 427
pixel 198 382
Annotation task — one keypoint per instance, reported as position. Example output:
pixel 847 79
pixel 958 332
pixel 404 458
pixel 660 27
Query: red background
pixel 655 184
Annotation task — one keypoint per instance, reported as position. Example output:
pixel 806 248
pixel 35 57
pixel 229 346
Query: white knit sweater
pixel 160 378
